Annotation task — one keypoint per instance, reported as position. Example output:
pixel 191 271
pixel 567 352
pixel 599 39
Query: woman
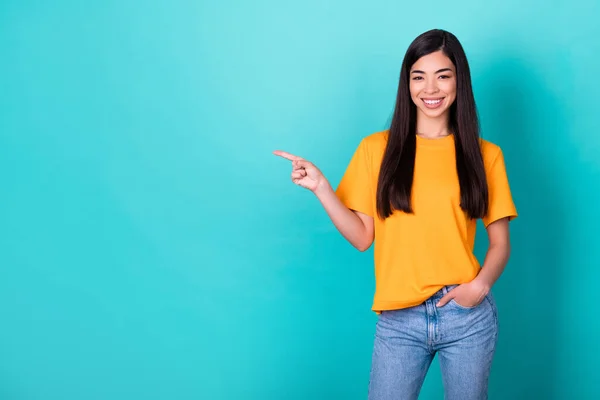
pixel 417 190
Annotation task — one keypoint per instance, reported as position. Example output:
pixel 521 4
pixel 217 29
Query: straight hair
pixel 395 181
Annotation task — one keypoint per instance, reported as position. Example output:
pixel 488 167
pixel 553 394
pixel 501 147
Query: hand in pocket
pixel 467 295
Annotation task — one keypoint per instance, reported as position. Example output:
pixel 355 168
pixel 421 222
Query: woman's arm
pixel 472 293
pixel 356 227
pixel 497 255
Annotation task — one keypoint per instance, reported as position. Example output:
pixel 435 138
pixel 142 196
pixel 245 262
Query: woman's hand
pixel 467 295
pixel 304 173
pixel 356 227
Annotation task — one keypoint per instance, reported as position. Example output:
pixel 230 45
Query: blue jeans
pixel 406 341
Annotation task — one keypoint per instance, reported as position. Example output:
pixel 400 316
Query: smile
pixel 432 103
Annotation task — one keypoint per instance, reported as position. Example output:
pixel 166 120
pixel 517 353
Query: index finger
pixel 286 155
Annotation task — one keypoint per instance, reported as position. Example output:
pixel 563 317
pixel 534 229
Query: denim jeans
pixel 407 340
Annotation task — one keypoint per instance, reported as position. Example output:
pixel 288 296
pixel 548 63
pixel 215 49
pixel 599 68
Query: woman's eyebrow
pixel 418 71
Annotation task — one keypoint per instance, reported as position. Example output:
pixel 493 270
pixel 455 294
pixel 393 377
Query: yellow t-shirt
pixel 416 254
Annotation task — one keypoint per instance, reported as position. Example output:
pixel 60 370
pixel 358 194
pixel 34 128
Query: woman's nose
pixel 431 86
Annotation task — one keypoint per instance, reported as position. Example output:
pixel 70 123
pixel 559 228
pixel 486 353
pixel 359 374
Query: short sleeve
pixel 355 189
pixel 501 203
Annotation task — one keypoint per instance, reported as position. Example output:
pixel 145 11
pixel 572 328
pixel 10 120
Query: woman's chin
pixel 436 113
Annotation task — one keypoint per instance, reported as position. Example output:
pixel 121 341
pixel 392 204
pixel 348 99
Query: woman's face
pixel 433 84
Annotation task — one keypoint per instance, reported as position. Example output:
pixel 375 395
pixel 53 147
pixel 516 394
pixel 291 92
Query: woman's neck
pixel 432 127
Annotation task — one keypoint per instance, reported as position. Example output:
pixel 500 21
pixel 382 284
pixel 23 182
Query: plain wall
pixel 152 247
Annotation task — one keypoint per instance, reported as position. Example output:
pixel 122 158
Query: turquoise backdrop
pixel 152 247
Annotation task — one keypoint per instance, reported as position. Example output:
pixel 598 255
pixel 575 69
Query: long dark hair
pixel 397 167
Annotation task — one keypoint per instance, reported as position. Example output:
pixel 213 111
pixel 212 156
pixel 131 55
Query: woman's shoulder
pixel 375 141
pixel 489 151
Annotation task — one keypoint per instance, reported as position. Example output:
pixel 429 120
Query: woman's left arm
pixel 497 254
pixel 472 293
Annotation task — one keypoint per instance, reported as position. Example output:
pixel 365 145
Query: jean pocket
pixel 454 303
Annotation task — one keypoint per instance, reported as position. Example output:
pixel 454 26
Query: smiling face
pixel 433 85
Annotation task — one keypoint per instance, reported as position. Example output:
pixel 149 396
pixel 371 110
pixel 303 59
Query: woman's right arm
pixel 356 227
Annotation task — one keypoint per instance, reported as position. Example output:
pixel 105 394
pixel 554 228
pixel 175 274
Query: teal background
pixel 152 247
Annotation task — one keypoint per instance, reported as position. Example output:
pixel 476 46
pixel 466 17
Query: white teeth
pixel 432 102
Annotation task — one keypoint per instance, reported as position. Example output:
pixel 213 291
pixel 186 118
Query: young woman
pixel 417 190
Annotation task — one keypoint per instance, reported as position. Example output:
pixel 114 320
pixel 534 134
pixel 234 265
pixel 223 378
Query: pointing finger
pixel 286 155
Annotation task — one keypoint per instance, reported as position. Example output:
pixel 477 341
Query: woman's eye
pixel 417 78
pixel 444 76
